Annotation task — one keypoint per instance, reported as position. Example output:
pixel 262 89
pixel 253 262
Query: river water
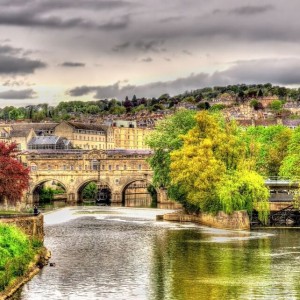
pixel 123 253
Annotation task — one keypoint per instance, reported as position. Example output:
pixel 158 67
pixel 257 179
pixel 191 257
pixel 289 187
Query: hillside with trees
pixel 212 98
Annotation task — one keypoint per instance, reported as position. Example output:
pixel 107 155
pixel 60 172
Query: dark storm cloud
pixel 18 65
pixel 70 64
pixel 251 10
pixel 286 72
pixel 18 95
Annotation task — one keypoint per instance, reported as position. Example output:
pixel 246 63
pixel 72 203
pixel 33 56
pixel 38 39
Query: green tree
pixel 268 146
pixel 276 105
pixel 164 139
pixel 90 191
pixel 212 158
pixel 290 164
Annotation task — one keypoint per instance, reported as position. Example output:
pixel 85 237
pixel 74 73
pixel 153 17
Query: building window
pixel 109 167
pixel 125 167
pixel 33 168
pixel 117 167
pixel 140 167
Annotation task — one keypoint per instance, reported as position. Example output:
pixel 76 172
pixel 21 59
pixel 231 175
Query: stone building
pixel 86 136
pixel 22 133
pixel 120 134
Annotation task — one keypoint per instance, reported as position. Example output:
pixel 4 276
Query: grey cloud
pixel 66 4
pixel 153 46
pixel 15 65
pixel 251 10
pixel 121 47
pixel 171 19
pixel 279 71
pixel 187 52
pixel 5 49
pixel 147 59
pixel 71 64
pixel 18 95
pixel 30 19
pixel 286 71
pixel 13 83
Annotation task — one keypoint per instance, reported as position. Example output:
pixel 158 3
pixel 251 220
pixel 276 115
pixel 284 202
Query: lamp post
pixel 101 196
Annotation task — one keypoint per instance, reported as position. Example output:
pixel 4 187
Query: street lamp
pixel 101 196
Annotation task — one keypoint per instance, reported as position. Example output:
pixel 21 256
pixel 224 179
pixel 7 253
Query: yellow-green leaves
pixel 213 168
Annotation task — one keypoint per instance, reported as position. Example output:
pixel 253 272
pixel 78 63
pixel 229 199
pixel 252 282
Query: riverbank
pixel 41 259
pixel 238 220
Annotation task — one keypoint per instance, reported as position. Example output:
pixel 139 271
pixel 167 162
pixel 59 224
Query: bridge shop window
pixel 95 164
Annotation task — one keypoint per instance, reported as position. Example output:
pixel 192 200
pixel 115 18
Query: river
pixel 124 253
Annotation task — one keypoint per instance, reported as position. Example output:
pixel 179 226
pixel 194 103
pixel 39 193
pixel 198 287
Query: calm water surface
pixel 123 253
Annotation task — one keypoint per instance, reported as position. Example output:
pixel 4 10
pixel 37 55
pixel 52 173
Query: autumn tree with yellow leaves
pixel 215 171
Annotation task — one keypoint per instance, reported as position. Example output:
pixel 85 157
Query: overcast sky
pixel 60 50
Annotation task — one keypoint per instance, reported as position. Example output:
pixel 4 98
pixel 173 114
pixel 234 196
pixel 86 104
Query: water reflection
pixel 123 253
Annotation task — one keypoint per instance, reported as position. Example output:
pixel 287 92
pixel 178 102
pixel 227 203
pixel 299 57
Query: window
pixel 95 165
pixel 125 167
pixel 33 167
pixel 109 167
pixel 117 167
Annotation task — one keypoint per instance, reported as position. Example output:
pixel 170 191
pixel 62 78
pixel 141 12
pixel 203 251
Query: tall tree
pixel 213 171
pixel 14 177
pixel 164 139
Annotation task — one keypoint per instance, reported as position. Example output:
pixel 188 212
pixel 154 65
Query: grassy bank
pixel 16 253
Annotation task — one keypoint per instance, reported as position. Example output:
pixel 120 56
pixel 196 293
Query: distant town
pixel 110 124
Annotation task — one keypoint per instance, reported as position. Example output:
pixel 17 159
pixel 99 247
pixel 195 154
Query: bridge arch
pixel 37 190
pixel 102 194
pixel 139 192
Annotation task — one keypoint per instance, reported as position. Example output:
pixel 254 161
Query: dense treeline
pixel 201 98
pixel 210 164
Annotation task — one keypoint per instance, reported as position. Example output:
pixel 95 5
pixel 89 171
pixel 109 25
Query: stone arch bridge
pixel 116 171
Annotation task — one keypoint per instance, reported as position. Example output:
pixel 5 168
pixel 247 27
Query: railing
pixel 276 180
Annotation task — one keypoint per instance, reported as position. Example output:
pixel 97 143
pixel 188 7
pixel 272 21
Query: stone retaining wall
pixel 238 220
pixel 31 225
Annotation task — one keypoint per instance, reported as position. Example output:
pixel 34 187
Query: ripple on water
pixel 119 253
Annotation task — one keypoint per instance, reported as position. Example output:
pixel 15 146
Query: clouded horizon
pixel 61 50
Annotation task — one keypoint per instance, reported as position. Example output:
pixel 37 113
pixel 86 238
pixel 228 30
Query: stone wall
pixel 31 225
pixel 238 220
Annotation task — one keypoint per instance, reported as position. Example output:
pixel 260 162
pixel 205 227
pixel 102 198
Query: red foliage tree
pixel 14 177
